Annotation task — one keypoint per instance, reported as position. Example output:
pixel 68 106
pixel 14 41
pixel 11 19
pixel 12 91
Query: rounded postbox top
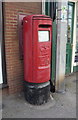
pixel 37 17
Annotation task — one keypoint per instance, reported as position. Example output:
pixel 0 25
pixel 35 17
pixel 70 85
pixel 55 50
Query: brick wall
pixel 14 65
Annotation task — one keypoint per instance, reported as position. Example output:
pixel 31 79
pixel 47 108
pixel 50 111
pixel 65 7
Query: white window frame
pixel 1 77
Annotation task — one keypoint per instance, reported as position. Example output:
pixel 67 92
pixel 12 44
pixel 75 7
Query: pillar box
pixel 37 42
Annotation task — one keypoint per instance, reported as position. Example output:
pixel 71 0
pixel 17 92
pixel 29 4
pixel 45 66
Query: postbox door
pixel 41 50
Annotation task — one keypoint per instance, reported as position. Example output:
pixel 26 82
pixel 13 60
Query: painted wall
pixel 61 46
pixel 1 81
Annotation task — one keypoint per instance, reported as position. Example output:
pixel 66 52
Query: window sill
pixel 3 86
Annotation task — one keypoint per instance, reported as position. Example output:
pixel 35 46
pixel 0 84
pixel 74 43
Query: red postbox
pixel 37 42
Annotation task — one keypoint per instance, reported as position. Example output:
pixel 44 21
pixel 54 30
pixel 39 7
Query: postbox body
pixel 37 42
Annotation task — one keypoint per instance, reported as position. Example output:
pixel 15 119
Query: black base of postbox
pixel 37 94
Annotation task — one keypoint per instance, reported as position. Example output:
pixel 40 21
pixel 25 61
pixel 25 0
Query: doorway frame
pixel 74 40
pixel 69 45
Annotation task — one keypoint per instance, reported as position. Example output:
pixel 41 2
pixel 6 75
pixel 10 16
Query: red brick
pixel 14 66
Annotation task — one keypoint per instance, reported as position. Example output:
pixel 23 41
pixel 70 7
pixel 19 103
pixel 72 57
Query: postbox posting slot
pixel 44 26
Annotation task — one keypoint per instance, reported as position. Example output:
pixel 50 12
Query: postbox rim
pixel 37 16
